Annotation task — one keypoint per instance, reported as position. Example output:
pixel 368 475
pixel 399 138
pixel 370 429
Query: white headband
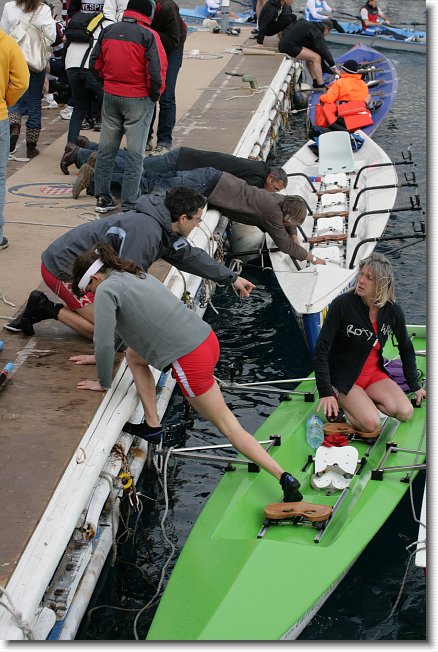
pixel 89 273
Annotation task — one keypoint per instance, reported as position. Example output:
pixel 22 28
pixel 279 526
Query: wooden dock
pixel 43 416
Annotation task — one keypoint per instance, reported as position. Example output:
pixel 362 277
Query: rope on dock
pixel 17 616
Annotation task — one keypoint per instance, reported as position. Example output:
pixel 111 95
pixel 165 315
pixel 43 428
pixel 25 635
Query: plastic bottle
pixel 314 178
pixel 314 431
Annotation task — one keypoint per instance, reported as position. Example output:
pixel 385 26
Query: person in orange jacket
pixel 350 87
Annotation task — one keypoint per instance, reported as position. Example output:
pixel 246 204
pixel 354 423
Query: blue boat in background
pixel 383 37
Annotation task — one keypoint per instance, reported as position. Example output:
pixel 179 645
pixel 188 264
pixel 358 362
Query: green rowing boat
pixel 242 576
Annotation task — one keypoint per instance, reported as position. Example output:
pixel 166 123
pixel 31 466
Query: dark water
pixel 262 334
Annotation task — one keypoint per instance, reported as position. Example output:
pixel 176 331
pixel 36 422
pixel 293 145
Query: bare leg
pixel 313 62
pixel 212 407
pixel 390 399
pixel 81 321
pixel 145 384
pixel 259 7
pixel 360 409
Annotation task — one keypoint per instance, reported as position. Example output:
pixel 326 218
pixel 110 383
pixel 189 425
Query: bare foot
pixel 83 359
pixel 94 385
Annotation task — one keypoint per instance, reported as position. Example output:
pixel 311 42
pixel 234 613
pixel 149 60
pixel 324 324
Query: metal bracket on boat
pixel 380 211
pixel 193 453
pixel 407 160
pixel 417 235
pixel 301 174
pixel 392 447
pixel 408 184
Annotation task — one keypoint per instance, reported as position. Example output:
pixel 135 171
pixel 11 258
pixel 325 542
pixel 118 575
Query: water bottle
pixel 314 431
pixel 314 178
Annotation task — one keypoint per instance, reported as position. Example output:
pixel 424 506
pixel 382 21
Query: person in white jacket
pixel 39 14
pixel 113 9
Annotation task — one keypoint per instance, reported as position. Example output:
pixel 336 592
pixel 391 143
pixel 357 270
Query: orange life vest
pixel 355 115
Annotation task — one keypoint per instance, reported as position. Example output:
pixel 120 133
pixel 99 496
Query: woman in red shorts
pixel 160 330
pixel 348 357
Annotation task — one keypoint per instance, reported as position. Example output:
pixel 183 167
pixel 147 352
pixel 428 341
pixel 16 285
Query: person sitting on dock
pixel 350 93
pixel 274 17
pixel 305 41
pixel 160 330
pixel 348 359
pixel 157 230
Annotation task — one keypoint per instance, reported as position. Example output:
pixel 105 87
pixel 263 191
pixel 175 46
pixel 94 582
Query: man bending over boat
pixel 274 17
pixel 272 213
pixel 162 331
pixel 348 359
pixel 158 229
pixel 256 173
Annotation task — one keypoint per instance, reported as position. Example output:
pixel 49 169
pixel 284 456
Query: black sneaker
pixel 105 204
pixel 290 486
pixel 319 88
pixel 87 123
pixel 38 308
pixel 143 431
pixel 4 243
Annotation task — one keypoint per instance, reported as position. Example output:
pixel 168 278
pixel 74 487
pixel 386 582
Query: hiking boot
pixel 4 244
pixel 83 180
pixel 159 150
pixel 144 431
pixel 290 486
pixel 83 141
pixel 92 160
pixel 69 157
pixel 32 150
pixel 105 204
pixel 38 308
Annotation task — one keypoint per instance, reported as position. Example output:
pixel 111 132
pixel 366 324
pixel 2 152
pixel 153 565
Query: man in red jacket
pixel 130 58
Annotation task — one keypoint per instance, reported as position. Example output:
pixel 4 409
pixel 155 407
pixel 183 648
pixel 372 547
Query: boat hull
pixel 230 585
pixel 353 35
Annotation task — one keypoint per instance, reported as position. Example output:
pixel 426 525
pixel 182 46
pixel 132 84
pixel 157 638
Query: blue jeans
pixel 4 153
pixel 130 116
pixel 30 102
pixel 202 180
pixel 83 86
pixel 167 115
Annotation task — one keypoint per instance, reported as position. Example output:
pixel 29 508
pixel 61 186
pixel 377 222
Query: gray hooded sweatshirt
pixel 143 235
pixel 148 317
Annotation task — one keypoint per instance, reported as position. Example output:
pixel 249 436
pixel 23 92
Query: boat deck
pixel 43 416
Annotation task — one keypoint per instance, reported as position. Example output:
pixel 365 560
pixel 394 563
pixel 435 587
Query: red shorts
pixel 373 376
pixel 63 290
pixel 194 371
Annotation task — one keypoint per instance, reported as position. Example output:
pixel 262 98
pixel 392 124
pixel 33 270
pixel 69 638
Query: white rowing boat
pixel 348 209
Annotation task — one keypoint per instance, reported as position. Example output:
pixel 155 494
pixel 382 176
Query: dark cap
pixel 145 7
pixel 350 66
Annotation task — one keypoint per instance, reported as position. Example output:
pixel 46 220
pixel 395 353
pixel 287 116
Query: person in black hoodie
pixel 305 41
pixel 172 30
pixel 274 17
pixel 348 357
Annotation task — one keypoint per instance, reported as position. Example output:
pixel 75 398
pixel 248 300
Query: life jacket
pixel 373 15
pixel 355 115
pixel 319 7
